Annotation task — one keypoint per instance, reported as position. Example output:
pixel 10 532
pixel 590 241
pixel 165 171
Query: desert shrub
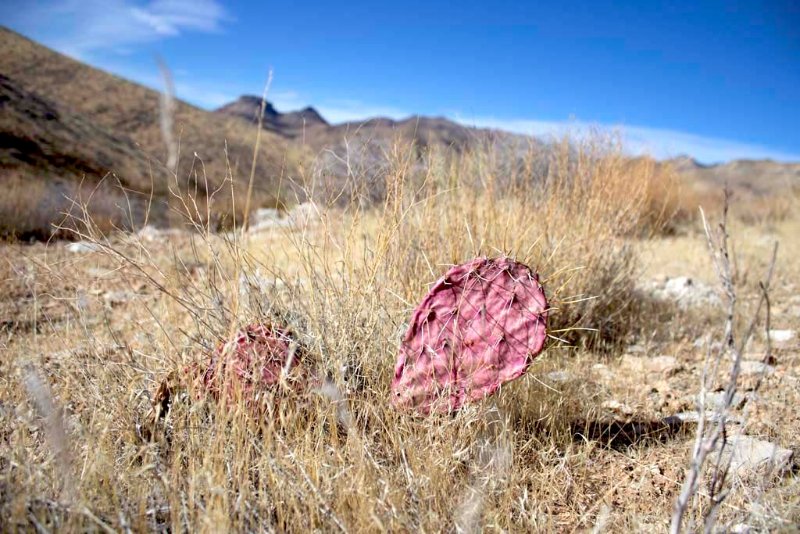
pixel 767 209
pixel 35 209
pixel 571 222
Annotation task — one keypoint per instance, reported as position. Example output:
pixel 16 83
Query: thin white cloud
pixel 336 111
pixel 657 142
pixel 660 143
pixel 202 95
pixel 80 27
pixel 285 100
pixel 187 86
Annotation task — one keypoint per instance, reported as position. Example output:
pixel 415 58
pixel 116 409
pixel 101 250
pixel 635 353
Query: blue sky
pixel 717 80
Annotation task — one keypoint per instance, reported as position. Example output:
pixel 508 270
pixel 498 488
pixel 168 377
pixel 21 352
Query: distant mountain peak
pixel 290 124
pixel 310 113
pixel 248 106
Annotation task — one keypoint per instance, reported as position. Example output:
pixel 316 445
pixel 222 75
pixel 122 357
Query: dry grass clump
pixel 34 209
pixel 769 209
pixel 758 209
pixel 569 216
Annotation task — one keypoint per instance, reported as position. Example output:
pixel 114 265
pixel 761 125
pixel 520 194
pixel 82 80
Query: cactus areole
pixel 257 359
pixel 480 326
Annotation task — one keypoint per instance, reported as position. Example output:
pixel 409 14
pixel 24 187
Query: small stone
pixel 559 376
pixel 81 247
pixel 687 293
pixel 750 456
pixel 151 233
pixel 616 406
pixel 751 367
pixel 781 336
pixel 716 400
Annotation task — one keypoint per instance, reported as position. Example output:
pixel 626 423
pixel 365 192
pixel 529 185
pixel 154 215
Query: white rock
pixel 662 363
pixel 749 456
pixel 265 219
pixel 751 367
pixel 151 233
pixel 300 216
pixel 304 215
pixel 265 214
pixel 617 406
pixel 692 417
pixel 706 343
pixel 715 400
pixel 781 336
pixel 711 416
pixel 602 371
pixel 83 246
pixel 559 376
pixel 686 292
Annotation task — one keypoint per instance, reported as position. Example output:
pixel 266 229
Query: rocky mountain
pixel 292 124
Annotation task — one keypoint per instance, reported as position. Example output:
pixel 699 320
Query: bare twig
pixel 713 441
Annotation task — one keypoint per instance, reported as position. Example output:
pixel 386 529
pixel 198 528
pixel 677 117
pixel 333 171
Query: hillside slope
pixel 38 138
pixel 125 109
pixel 757 177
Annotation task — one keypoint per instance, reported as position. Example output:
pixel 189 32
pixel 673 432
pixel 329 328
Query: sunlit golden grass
pixel 345 282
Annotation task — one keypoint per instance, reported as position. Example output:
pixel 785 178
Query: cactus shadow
pixel 621 434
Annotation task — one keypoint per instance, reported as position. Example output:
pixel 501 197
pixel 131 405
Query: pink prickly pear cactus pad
pixel 480 326
pixel 255 360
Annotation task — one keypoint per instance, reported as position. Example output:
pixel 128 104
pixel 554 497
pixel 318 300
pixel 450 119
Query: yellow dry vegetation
pixel 579 442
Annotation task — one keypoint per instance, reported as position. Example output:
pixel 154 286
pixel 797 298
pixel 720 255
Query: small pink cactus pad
pixel 480 326
pixel 254 361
